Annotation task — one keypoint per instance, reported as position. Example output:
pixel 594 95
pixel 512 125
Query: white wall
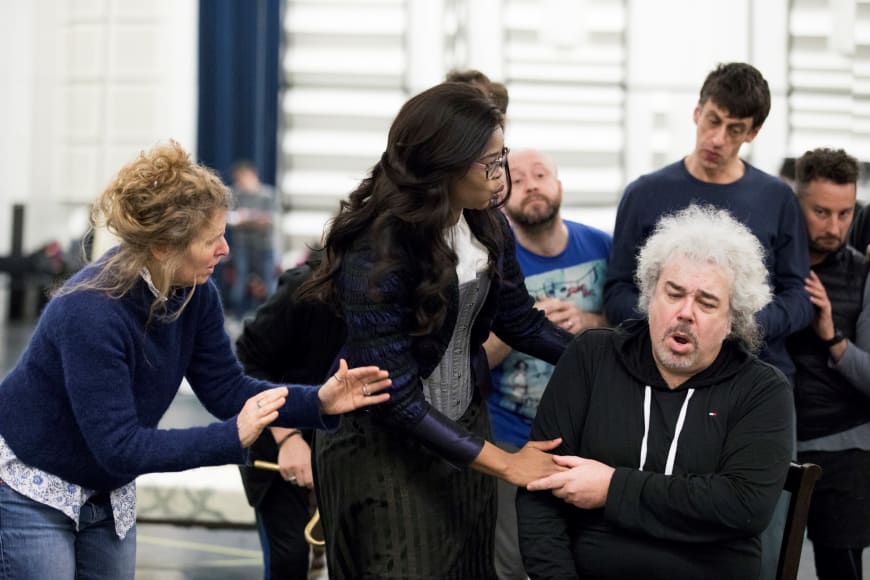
pixel 92 83
pixel 673 44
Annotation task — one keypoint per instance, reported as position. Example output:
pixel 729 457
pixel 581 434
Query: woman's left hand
pixel 350 389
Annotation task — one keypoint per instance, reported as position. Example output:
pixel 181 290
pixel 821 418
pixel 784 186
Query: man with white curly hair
pixel 676 438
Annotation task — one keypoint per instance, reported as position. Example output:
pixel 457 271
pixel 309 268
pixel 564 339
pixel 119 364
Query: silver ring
pixel 366 390
pixel 259 404
pixel 292 479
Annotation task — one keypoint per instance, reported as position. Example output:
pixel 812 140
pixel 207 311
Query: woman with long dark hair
pixel 420 261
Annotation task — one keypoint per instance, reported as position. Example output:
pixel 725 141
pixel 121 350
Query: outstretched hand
pixel 350 389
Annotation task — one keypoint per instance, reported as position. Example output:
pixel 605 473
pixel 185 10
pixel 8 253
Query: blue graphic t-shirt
pixel 577 274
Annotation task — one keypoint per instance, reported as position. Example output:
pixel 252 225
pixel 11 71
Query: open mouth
pixel 680 342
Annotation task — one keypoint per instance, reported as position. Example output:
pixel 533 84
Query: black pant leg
pixel 284 513
pixel 837 563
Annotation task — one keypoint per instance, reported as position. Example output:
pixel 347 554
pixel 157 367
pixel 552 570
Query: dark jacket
pixel 826 401
pixel 288 341
pixel 702 521
pixel 382 333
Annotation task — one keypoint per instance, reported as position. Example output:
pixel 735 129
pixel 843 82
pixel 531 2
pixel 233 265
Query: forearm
pixel 169 450
pixel 496 350
pixel 303 410
pixel 448 439
pixel 854 364
pixel 789 312
pixel 544 537
pixel 492 461
pixel 687 508
pixel 279 434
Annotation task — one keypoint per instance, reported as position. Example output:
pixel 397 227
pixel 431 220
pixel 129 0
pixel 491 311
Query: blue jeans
pixel 38 541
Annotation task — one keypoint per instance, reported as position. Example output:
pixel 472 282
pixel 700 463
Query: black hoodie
pixel 702 521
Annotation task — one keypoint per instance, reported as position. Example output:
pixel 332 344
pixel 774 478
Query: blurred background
pixel 306 89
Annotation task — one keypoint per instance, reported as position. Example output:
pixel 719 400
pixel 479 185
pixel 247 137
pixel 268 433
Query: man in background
pixel 252 229
pixel 832 356
pixel 563 263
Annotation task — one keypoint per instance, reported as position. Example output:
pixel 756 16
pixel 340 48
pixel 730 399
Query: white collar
pixel 146 275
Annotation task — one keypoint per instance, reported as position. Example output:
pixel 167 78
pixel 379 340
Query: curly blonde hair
pixel 162 200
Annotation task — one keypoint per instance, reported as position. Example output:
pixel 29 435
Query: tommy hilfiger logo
pixel 713 414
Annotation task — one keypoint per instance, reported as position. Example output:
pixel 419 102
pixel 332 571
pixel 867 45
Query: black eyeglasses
pixel 493 166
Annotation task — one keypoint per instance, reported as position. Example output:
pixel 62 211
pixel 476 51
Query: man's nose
pixel 719 135
pixel 686 310
pixel 834 227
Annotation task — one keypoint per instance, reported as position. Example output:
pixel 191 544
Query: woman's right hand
pixel 259 411
pixel 294 462
pixel 533 461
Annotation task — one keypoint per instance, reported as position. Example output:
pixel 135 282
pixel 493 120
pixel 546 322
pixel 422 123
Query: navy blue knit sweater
pixel 765 204
pixel 85 398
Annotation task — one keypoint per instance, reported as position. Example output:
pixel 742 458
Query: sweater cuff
pixel 455 444
pixel 235 454
pixel 302 410
pixel 616 494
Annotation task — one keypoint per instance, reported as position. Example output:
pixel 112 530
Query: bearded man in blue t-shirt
pixel 564 264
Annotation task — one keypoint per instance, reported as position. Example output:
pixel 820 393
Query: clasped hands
pixel 583 482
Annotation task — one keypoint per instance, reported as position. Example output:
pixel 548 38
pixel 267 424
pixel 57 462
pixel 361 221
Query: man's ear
pixel 696 116
pixel 752 134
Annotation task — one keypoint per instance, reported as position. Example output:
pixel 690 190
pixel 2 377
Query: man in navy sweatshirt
pixel 734 102
pixel 832 356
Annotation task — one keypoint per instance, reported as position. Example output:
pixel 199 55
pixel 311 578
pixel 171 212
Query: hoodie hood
pixel 634 351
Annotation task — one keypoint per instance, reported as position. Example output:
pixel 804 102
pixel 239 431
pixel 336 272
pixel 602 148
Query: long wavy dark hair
pixel 403 205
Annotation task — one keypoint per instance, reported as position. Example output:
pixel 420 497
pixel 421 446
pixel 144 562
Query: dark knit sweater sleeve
pixel 791 309
pixel 219 382
pixel 735 501
pixel 379 332
pixel 620 292
pixel 100 353
pixel 855 362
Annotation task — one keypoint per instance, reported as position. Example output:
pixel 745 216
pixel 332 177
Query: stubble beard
pixel 673 361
